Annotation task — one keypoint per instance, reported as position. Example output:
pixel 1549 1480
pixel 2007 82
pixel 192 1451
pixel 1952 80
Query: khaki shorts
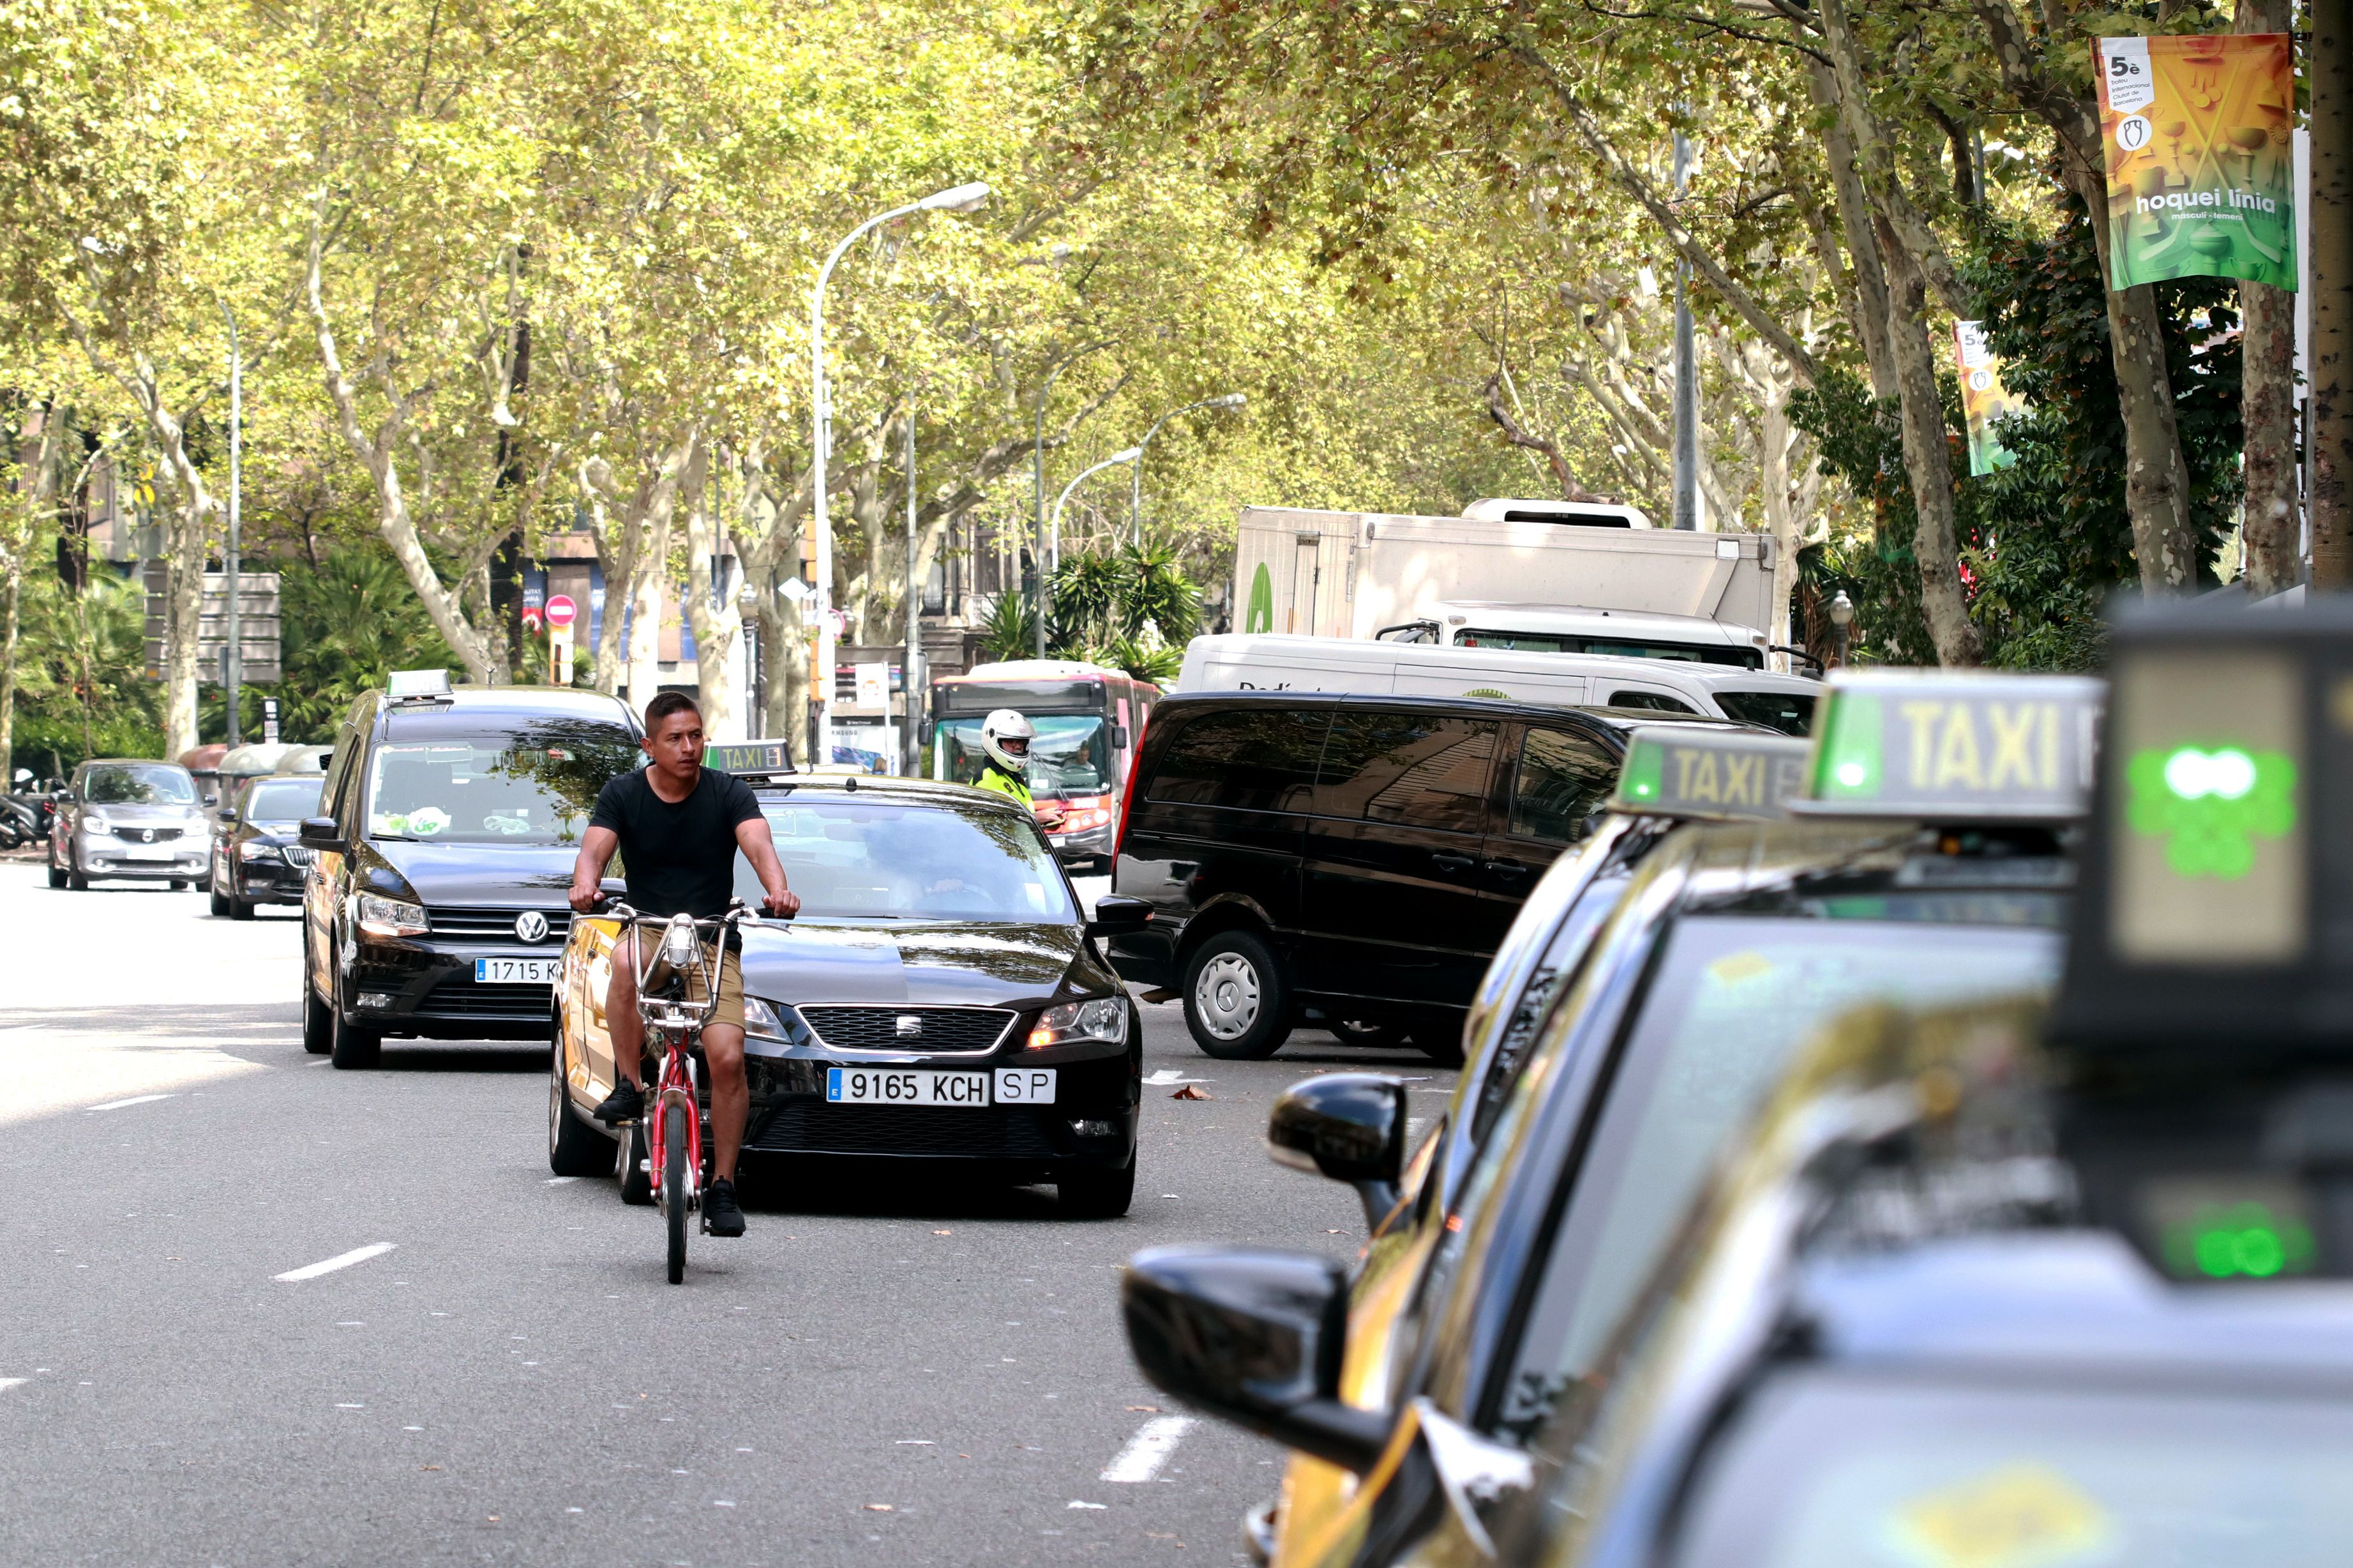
pixel 729 1008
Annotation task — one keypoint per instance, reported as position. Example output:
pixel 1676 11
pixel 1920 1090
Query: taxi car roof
pixel 1620 719
pixel 1737 859
pixel 465 704
pixel 884 785
pixel 2069 1299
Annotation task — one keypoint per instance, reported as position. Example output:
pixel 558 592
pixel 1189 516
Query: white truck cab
pixel 1555 629
pixel 1272 662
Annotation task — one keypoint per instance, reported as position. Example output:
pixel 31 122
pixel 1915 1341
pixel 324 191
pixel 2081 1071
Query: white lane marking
pixel 8 1383
pixel 1171 1075
pixel 324 1062
pixel 341 1260
pixel 1149 1449
pixel 560 1180
pixel 134 1100
pixel 1076 1503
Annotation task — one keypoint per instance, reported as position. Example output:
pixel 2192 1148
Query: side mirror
pixel 1348 1126
pixel 318 833
pixel 229 816
pixel 1119 915
pixel 1253 1335
pixel 1119 737
pixel 212 800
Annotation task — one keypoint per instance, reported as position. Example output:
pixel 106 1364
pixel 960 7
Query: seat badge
pixel 531 926
pixel 908 1026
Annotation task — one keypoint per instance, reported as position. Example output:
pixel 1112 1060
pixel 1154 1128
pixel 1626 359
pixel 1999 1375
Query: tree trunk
pixel 13 569
pixel 1927 459
pixel 2268 541
pixel 183 600
pixel 2329 68
pixel 718 627
pixel 1780 519
pixel 649 597
pixel 1862 242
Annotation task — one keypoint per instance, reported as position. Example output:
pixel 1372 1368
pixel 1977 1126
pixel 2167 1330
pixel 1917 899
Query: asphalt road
pixel 876 1373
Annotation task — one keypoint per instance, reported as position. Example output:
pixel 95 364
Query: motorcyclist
pixel 1006 736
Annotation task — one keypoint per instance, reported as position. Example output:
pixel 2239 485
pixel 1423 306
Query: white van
pixel 1241 662
pixel 1553 628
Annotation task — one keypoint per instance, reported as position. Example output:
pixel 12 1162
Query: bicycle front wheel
pixel 674 1175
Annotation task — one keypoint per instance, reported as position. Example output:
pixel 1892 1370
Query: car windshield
pixel 859 859
pixel 136 786
pixel 1730 1002
pixel 533 785
pixel 281 800
pixel 1791 712
pixel 1070 756
pixel 1825 1470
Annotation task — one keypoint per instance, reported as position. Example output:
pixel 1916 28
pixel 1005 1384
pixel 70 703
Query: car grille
pixel 878 1028
pixel 146 835
pixel 496 925
pixel 301 854
pixel 815 1127
pixel 461 998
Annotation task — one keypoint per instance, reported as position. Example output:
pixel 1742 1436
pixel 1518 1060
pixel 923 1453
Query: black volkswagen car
pixel 939 998
pixel 258 855
pixel 436 908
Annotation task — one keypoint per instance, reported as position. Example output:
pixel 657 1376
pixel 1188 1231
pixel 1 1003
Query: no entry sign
pixel 561 610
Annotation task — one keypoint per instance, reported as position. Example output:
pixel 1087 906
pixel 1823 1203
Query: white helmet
pixel 1004 725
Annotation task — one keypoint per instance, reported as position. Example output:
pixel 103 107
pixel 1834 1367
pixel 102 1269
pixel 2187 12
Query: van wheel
pixel 572 1148
pixel 318 1024
pixel 1237 1002
pixel 632 1164
pixel 1371 1034
pixel 351 1046
pixel 77 882
pixel 56 877
pixel 1096 1193
pixel 219 904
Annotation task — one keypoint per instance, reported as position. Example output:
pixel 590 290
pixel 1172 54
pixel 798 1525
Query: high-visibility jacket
pixel 1012 787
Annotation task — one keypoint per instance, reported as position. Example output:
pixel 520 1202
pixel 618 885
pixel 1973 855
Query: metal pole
pixel 1041 597
pixel 233 663
pixel 1686 415
pixel 912 663
pixel 1054 529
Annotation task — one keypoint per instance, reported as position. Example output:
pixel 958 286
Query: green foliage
pixel 1133 610
pixel 346 628
pixel 1011 629
pixel 1088 600
pixel 81 669
pixel 1862 443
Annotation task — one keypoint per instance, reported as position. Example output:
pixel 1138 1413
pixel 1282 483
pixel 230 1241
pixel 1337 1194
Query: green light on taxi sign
pixel 1849 765
pixel 2238 1241
pixel 2208 804
pixel 1641 782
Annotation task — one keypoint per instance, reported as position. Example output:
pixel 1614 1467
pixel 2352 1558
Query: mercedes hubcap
pixel 1226 995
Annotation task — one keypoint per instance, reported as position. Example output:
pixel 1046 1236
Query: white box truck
pixel 1351 574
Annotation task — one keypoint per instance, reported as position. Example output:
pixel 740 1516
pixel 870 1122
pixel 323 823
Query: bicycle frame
pixel 676 1023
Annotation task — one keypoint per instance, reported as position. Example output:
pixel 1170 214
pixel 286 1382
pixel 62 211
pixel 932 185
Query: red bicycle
pixel 673 1026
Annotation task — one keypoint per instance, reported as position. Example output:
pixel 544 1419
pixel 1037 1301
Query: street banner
pixel 1983 397
pixel 2200 175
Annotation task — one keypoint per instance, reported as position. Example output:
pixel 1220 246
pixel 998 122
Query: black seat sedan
pixel 939 998
pixel 257 854
pixel 436 907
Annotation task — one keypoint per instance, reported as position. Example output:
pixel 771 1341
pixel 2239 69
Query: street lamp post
pixel 233 643
pixel 1842 614
pixel 955 199
pixel 1135 492
pixel 1054 529
pixel 1043 591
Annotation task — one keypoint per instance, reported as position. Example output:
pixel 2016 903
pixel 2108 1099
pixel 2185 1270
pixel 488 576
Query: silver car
pixel 132 819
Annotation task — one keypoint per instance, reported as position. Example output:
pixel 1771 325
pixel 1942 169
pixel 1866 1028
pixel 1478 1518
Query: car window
pixel 280 800
pixel 1250 758
pixel 1656 701
pixel 1071 755
pixel 1830 1469
pixel 1419 770
pixel 1563 779
pixel 533 785
pixel 1791 712
pixel 1564 955
pixel 1728 1003
pixel 137 785
pixel 855 859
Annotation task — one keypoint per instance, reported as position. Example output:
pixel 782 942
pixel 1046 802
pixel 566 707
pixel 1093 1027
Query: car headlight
pixel 759 1018
pixel 1099 1018
pixel 253 849
pixel 390 917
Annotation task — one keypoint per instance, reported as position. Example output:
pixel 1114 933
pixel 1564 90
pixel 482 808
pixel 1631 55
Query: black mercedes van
pixel 436 905
pixel 1349 861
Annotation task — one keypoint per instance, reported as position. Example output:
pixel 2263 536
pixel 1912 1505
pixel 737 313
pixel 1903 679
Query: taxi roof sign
pixel 748 757
pixel 1674 770
pixel 2217 893
pixel 1945 746
pixel 417 685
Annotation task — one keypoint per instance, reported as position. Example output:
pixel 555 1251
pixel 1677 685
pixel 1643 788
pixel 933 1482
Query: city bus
pixel 1090 721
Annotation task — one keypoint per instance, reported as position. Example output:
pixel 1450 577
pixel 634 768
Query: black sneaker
pixel 626 1103
pixel 722 1215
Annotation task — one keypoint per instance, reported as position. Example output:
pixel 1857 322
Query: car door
pixel 1391 878
pixel 322 889
pixel 1553 781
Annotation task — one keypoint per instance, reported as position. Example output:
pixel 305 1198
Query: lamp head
pixel 1129 455
pixel 1230 400
pixel 956 198
pixel 1841 610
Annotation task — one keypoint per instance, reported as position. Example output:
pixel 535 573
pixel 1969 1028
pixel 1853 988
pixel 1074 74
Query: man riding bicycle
pixel 678 826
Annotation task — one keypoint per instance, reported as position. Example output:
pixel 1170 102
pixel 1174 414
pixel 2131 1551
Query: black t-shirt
pixel 677 858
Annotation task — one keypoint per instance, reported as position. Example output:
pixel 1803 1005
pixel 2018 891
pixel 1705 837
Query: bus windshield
pixel 1070 756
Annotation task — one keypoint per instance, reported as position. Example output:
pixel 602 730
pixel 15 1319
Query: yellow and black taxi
pixel 257 857
pixel 1416 1386
pixel 940 998
pixel 434 905
pixel 1993 1285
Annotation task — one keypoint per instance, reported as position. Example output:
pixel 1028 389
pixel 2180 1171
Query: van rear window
pixel 1251 759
